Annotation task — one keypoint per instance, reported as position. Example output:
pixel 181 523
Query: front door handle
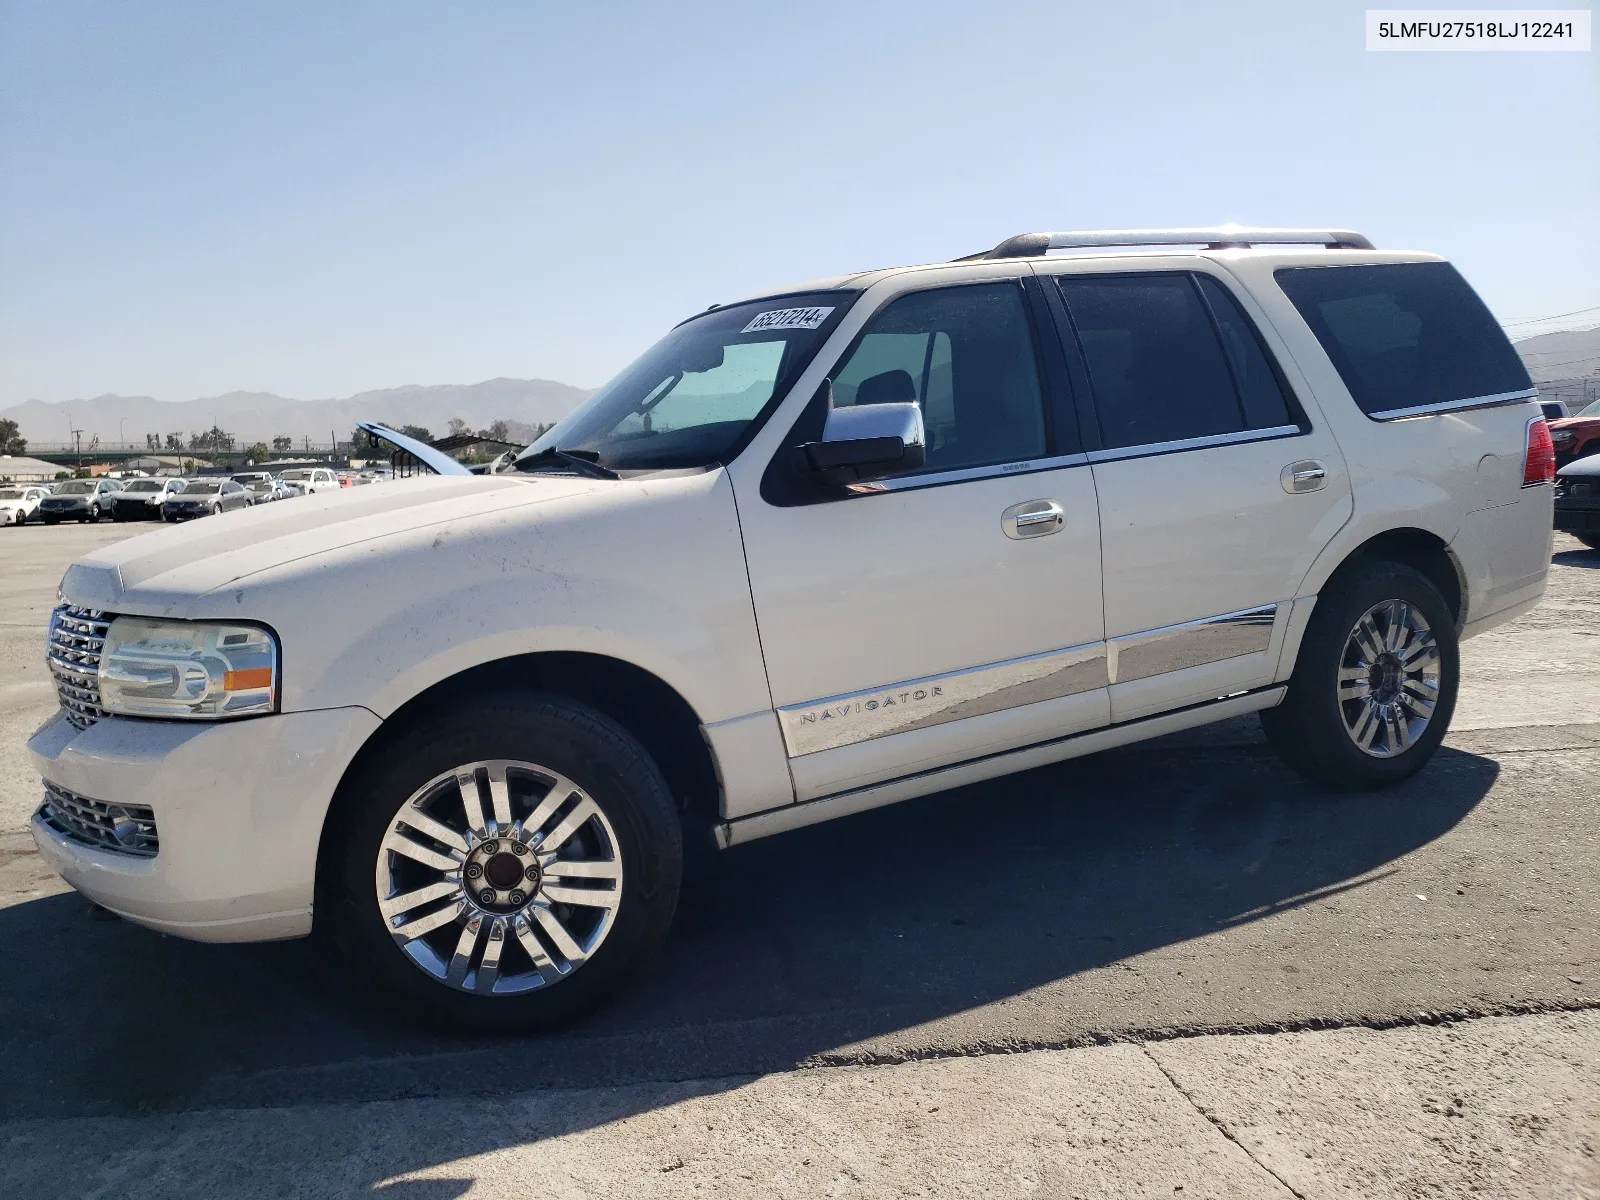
pixel 1307 475
pixel 1033 518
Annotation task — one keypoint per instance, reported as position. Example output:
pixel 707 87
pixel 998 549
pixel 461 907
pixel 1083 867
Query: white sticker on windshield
pixel 788 318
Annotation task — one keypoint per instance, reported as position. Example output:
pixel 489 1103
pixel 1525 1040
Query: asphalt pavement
pixel 1133 901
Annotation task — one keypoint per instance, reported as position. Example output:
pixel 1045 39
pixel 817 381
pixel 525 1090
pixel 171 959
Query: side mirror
pixel 865 442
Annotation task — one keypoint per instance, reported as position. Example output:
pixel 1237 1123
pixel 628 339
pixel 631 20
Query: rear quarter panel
pixel 1456 475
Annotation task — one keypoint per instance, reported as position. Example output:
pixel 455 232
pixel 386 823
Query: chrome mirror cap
pixel 859 422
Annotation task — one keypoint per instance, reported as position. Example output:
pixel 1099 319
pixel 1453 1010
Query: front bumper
pixel 136 510
pixel 1578 518
pixel 64 512
pixel 239 806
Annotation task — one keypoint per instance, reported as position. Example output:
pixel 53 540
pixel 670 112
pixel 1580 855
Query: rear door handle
pixel 1033 518
pixel 1307 475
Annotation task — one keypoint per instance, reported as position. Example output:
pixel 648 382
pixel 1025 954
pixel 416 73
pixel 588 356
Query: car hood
pixel 1585 467
pixel 158 573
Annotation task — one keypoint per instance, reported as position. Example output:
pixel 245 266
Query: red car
pixel 1577 435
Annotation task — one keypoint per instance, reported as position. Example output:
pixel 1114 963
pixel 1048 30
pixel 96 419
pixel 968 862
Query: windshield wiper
pixel 585 462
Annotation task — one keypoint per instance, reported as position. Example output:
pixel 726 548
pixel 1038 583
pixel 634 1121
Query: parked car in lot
pixel 261 485
pixel 825 549
pixel 78 500
pixel 1578 435
pixel 310 479
pixel 18 503
pixel 141 499
pixel 205 498
pixel 1577 500
pixel 1554 410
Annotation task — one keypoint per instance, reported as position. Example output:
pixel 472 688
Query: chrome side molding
pixel 918 703
pixel 794 816
pixel 1192 644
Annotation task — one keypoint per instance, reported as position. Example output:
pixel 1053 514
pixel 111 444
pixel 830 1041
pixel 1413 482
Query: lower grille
pixel 77 635
pixel 119 828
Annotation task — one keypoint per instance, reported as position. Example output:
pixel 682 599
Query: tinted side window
pixel 1405 335
pixel 965 354
pixel 1154 359
pixel 1259 389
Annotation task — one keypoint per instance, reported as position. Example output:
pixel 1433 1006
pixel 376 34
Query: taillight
pixel 1539 459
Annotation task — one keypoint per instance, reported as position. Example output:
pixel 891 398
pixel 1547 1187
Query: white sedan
pixel 17 504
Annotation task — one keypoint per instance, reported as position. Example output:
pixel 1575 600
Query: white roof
pixel 20 468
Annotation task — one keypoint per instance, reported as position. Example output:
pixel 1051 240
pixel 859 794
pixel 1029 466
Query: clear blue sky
pixel 320 198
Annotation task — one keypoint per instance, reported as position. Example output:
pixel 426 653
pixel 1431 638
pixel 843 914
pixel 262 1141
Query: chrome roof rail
pixel 1221 237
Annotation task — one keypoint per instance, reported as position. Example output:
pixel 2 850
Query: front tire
pixel 1375 682
pixel 507 864
pixel 94 514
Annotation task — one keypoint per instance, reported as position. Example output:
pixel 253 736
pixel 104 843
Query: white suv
pixel 820 551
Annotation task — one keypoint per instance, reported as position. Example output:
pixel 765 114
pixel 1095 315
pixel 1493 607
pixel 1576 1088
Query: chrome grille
pixel 120 828
pixel 77 636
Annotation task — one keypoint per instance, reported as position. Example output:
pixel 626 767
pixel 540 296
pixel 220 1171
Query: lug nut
pixel 519 848
pixel 532 872
pixel 473 870
pixel 517 899
pixel 490 846
pixel 486 896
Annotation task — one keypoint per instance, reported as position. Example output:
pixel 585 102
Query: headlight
pixel 194 670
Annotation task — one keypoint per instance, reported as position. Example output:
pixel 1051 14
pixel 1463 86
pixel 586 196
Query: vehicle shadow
pixel 1577 558
pixel 861 939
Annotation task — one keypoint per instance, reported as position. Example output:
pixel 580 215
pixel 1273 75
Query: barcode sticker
pixel 787 318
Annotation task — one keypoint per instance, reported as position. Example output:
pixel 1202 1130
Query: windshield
pixel 142 485
pixel 77 487
pixel 250 479
pixel 200 487
pixel 692 397
pixel 1592 410
pixel 10 493
pixel 295 475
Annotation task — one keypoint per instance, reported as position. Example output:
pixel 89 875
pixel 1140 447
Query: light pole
pixel 122 423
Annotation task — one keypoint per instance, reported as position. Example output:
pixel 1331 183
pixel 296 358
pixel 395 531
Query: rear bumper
pixel 238 806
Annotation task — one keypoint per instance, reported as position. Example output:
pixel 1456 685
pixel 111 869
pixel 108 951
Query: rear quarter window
pixel 1405 337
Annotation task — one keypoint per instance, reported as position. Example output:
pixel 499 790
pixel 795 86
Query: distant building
pixel 15 469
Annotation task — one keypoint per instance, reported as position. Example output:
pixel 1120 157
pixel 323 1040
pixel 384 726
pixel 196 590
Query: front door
pixel 913 623
pixel 1216 488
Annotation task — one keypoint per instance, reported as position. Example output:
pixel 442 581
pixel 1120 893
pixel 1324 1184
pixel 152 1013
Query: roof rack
pixel 1222 237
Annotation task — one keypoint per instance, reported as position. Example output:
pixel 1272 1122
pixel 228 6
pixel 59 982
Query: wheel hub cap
pixel 499 877
pixel 1389 677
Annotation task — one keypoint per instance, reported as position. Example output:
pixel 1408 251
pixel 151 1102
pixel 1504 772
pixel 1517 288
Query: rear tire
pixel 1375 682
pixel 1591 540
pixel 637 833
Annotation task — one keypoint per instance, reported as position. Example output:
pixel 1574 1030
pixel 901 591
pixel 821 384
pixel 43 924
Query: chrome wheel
pixel 1389 679
pixel 499 877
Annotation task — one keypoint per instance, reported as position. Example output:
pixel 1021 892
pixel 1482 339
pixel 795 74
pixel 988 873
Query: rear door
pixel 1216 489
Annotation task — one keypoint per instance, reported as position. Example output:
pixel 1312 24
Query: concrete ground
pixel 1167 970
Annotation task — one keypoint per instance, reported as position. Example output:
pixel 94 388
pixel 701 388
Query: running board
pixel 794 816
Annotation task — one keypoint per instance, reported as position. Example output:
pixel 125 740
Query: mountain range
pixel 1564 357
pixel 1561 357
pixel 261 416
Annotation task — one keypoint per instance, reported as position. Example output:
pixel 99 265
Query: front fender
pixel 647 571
